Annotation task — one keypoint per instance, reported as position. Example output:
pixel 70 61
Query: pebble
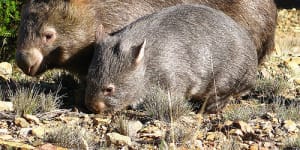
pixel 5 70
pixel 6 106
pixel 290 126
pixel 32 119
pixel 134 127
pixel 21 122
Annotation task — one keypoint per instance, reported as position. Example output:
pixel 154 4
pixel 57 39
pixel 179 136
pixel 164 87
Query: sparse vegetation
pixel 272 87
pixel 121 125
pixel 240 112
pixel 291 143
pixel 180 135
pixel 285 110
pixel 71 137
pixel 32 100
pixel 157 105
pixel 230 144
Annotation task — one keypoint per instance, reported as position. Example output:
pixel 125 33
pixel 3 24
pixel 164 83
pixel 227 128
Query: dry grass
pixel 157 105
pixel 244 113
pixel 291 143
pixel 32 100
pixel 71 137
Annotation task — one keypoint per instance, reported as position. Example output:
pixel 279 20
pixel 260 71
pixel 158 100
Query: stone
pixel 293 63
pixel 25 131
pixel 32 118
pixel 101 121
pixel 38 132
pixel 290 126
pixel 14 145
pixel 6 106
pixel 70 120
pixel 151 132
pixel 6 137
pixel 134 127
pixel 49 146
pixel 21 122
pixel 118 139
pixel 254 147
pixel 212 136
pixel 236 132
pixel 3 131
pixel 246 128
pixel 5 70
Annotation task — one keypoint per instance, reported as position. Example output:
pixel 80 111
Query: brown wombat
pixel 194 52
pixel 61 33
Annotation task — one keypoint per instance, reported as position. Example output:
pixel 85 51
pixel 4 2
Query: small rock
pixel 3 131
pixel 236 132
pixel 14 145
pixel 5 70
pixel 50 147
pixel 134 127
pixel 243 126
pixel 118 139
pixel 6 137
pixel 212 136
pixel 268 116
pixel 293 63
pixel 266 126
pixel 228 123
pixel 297 80
pixel 21 122
pixel 243 146
pixel 70 120
pixel 100 121
pixel 32 118
pixel 198 144
pixel 290 126
pixel 25 131
pixel 268 144
pixel 6 106
pixel 38 132
pixel 151 131
pixel 254 147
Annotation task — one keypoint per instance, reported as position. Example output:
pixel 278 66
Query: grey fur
pixel 191 51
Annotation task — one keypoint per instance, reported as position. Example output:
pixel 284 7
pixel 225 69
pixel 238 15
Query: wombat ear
pixel 100 33
pixel 138 53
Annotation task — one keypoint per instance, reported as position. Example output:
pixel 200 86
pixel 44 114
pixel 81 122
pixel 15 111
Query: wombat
pixel 194 52
pixel 61 33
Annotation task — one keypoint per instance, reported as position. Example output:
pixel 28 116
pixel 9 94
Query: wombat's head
pixel 116 75
pixel 52 32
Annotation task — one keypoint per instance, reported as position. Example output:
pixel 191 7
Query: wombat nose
pixel 23 62
pixel 108 90
pixel 98 107
pixel 29 62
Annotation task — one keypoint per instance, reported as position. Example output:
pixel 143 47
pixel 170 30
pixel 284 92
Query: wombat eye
pixel 108 90
pixel 48 36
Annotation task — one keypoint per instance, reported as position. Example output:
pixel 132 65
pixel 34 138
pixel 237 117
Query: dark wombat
pixel 61 33
pixel 195 52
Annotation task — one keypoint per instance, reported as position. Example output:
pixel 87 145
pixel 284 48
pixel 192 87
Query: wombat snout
pixel 96 106
pixel 97 103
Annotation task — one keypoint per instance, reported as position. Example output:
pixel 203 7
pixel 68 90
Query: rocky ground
pixel 41 113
